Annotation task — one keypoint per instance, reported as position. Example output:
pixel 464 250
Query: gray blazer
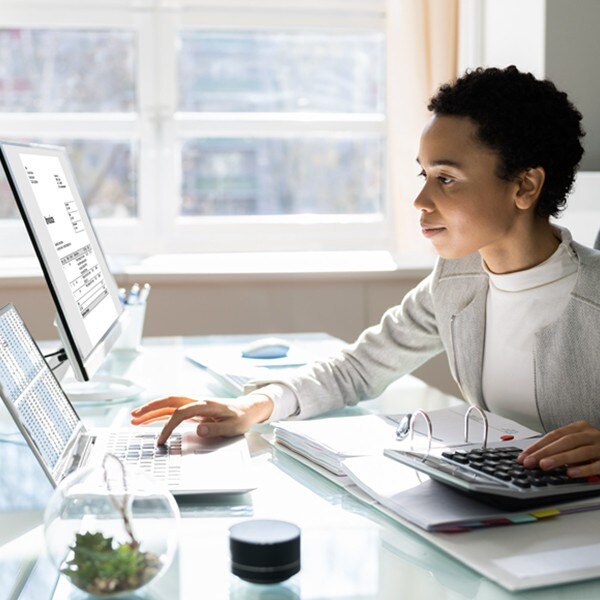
pixel 446 312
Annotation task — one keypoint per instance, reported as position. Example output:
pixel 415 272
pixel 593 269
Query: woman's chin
pixel 449 252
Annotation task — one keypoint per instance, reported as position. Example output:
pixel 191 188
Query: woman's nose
pixel 422 201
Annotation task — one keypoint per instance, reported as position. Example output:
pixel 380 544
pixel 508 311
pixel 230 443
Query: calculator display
pixel 29 385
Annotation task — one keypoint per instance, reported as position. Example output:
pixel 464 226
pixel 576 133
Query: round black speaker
pixel 264 551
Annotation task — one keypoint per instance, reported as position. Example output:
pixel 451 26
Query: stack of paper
pixel 328 442
pixel 437 507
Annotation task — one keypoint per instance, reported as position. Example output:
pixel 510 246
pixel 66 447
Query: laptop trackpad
pixel 192 444
pixel 216 465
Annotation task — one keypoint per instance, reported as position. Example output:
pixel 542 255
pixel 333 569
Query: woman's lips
pixel 430 231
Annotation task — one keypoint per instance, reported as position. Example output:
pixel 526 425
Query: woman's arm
pixel 406 337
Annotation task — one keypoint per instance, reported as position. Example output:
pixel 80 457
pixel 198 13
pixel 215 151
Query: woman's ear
pixel 531 182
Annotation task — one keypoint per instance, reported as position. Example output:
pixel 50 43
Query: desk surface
pixel 349 550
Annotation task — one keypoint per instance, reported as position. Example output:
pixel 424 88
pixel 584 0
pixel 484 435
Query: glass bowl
pixel 110 529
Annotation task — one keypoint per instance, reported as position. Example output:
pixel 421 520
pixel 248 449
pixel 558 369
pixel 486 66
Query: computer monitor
pixel 90 316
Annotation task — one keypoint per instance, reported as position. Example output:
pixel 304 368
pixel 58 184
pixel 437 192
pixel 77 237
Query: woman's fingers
pixel 154 415
pixel 585 470
pixel 552 451
pixel 572 457
pixel 551 437
pixel 571 445
pixel 227 428
pixel 197 409
pixel 217 417
pixel 171 401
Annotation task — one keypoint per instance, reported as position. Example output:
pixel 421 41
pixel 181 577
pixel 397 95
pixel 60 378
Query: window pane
pixel 106 174
pixel 282 176
pixel 8 207
pixel 281 72
pixel 67 70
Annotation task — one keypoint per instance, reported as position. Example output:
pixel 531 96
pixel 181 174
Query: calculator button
pixel 522 484
pixel 477 466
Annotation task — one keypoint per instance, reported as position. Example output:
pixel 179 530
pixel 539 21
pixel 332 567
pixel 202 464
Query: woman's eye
pixel 445 180
pixel 422 174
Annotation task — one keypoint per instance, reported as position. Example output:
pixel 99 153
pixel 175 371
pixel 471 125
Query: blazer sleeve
pixel 406 337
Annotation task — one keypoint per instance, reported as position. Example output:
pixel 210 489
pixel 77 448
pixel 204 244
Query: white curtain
pixel 422 50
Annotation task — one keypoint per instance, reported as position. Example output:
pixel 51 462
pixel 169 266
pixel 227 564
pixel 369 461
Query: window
pixel 206 126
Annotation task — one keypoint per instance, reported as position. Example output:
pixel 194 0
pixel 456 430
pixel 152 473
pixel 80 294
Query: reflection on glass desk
pixel 349 550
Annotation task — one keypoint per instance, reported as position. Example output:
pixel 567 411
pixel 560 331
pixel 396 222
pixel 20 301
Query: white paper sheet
pixel 415 497
pixel 552 562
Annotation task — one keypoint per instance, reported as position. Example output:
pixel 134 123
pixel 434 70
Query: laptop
pixel 61 443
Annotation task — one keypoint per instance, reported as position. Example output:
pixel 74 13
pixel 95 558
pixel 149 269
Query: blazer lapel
pixel 468 337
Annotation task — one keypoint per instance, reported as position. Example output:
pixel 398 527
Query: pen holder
pixel 131 338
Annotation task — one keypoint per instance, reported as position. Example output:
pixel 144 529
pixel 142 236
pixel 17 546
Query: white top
pixel 518 305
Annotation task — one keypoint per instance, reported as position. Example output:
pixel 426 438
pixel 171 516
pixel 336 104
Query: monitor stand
pixel 101 387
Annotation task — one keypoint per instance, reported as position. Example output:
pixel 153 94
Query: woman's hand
pixel 219 417
pixel 576 445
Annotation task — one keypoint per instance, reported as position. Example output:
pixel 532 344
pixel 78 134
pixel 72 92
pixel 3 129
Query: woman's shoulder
pixel 587 256
pixel 587 286
pixel 454 268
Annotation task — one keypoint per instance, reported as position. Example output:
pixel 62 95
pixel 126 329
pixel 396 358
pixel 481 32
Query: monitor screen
pixel 84 290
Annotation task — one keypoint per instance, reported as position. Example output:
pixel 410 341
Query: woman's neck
pixel 524 247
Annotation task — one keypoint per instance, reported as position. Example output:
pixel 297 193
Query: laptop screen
pixel 31 392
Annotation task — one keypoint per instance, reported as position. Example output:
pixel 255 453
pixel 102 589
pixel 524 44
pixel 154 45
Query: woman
pixel 512 300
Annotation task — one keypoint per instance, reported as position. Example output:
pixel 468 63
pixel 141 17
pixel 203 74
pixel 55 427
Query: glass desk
pixel 349 550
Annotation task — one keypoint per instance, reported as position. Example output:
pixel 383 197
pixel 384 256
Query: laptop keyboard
pixel 501 464
pixel 239 380
pixel 138 450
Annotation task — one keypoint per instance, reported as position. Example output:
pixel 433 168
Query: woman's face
pixel 465 207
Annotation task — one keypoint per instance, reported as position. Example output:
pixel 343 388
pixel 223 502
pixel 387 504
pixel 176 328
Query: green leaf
pixel 95 560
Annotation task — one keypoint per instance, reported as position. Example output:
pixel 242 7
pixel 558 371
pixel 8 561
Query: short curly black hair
pixel 526 121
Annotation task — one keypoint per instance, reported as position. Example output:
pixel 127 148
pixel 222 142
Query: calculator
pixel 493 475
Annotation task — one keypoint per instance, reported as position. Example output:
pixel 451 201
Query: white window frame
pixel 157 127
pixel 117 235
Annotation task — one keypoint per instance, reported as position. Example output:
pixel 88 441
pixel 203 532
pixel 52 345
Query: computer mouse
pixel 268 347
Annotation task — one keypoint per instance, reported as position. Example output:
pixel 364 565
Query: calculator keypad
pixel 501 464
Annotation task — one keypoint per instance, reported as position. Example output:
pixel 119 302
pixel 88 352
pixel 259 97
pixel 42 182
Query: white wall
pixel 555 39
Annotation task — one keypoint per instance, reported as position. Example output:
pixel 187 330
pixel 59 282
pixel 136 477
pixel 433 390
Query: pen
pixel 403 426
pixel 132 298
pixel 144 293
